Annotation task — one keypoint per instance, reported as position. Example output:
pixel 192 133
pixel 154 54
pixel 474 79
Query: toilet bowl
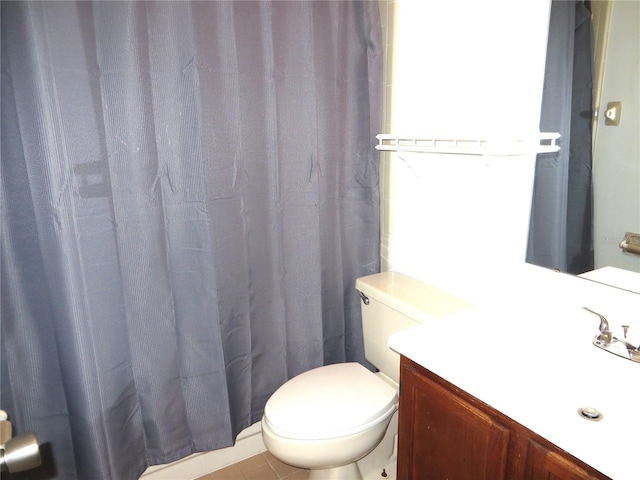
pixel 328 418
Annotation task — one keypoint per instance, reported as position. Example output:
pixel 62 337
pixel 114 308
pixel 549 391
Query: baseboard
pixel 248 444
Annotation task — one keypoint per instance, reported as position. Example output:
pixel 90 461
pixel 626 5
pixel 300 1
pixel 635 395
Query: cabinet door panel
pixel 545 464
pixel 442 436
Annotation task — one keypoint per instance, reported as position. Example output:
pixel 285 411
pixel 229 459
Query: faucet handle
pixel 606 336
pixel 604 324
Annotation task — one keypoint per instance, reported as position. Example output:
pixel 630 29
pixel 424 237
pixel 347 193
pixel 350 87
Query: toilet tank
pixel 393 302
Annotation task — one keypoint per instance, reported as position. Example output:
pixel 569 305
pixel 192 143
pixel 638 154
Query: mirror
pixel 615 148
pixel 616 151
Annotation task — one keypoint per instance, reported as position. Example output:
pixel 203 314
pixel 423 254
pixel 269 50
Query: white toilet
pixel 328 418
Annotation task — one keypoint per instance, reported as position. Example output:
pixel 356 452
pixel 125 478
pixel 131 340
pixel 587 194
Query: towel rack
pixel 544 143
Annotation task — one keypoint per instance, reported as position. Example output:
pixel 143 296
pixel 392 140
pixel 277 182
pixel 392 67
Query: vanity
pixel 515 388
pixel 446 433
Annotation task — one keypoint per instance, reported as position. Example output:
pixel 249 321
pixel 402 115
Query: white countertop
pixel 530 356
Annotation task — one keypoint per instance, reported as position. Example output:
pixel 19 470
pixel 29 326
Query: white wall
pixel 468 65
pixel 617 148
pixel 471 67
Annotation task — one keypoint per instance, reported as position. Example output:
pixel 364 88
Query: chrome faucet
pixel 607 341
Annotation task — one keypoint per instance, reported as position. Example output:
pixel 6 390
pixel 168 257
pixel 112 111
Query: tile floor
pixel 259 467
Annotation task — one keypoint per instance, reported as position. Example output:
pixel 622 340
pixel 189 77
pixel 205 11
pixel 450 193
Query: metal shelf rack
pixel 544 143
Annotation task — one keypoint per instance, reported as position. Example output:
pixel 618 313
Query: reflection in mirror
pixel 616 170
pixel 587 196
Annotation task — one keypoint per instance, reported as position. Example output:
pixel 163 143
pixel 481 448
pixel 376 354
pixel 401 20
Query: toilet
pixel 328 418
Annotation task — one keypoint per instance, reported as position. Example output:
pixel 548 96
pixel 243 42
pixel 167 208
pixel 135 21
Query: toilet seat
pixel 330 402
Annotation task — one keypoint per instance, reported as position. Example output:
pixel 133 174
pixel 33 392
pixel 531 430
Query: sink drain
pixel 590 413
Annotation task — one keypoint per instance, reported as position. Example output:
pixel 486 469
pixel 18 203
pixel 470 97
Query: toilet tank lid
pixel 411 297
pixel 330 402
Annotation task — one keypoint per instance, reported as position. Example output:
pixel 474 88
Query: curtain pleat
pixel 189 191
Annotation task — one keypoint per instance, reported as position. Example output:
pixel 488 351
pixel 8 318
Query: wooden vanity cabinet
pixel 445 433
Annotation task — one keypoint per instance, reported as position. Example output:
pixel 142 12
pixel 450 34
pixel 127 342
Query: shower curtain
pixel 561 229
pixel 189 191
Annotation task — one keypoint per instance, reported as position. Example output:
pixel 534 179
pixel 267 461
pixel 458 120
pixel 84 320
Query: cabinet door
pixel 441 436
pixel 546 464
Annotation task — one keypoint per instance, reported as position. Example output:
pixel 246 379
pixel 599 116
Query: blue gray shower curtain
pixel 189 191
pixel 561 229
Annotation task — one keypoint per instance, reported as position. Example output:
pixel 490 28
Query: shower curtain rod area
pixel 469 145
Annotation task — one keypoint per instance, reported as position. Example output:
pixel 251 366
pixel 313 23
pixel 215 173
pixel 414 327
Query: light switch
pixel 612 113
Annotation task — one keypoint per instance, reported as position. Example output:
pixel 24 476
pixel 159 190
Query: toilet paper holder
pixel 631 243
